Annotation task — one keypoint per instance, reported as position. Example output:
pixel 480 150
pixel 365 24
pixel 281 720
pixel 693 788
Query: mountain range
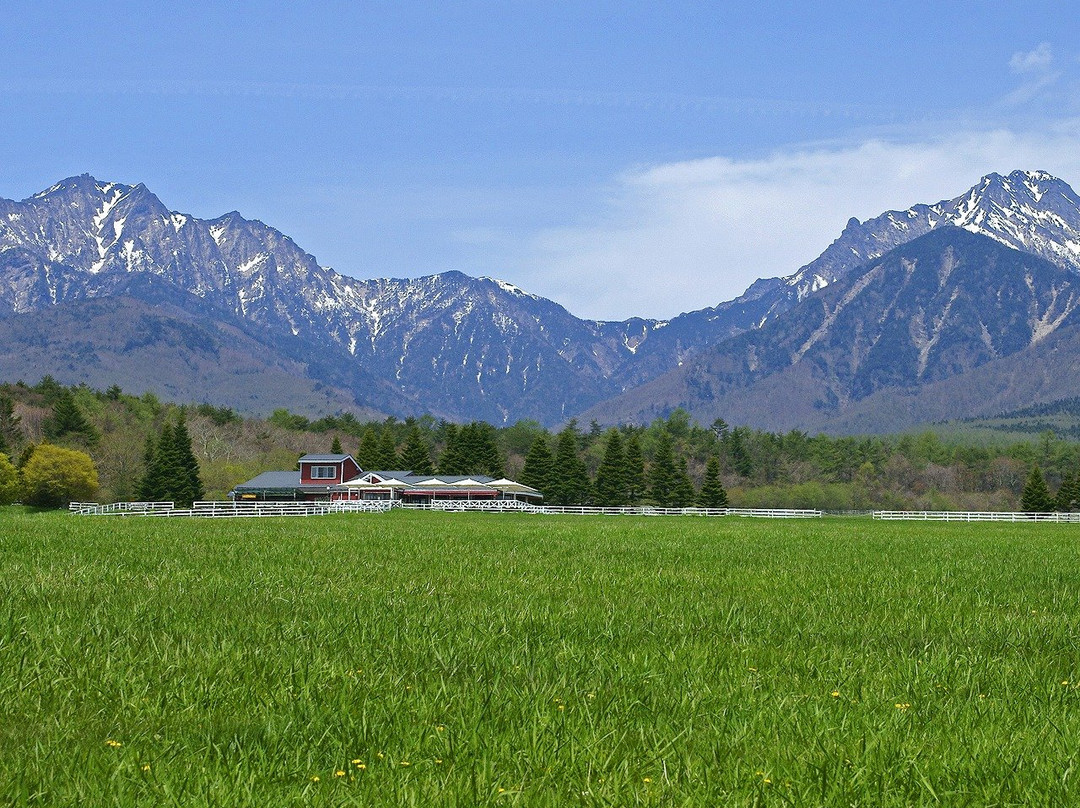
pixel 897 321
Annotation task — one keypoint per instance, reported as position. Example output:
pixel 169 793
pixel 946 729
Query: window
pixel 324 472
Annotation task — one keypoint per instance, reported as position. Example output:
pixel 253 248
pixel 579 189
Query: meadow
pixel 453 659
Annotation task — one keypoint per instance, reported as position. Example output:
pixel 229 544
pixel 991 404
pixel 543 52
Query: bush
pixel 54 477
pixel 9 481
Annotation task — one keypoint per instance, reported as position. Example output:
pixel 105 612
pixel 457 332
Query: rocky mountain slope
pixel 931 310
pixel 448 344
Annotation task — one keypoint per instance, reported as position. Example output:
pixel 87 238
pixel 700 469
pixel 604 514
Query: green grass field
pixel 450 659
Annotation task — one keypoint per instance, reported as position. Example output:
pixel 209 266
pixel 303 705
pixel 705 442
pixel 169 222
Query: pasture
pixel 471 659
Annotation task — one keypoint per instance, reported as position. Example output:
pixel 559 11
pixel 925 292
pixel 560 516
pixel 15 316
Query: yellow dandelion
pixel 113 744
pixel 502 790
pixel 339 773
pixel 1064 681
pixel 835 694
pixel 982 695
pixel 146 767
pixel 357 762
pixel 314 778
pixel 404 763
pixel 754 670
pixel 902 705
pixel 380 756
pixel 767 781
pixel 646 780
pixel 440 728
pixel 562 706
pixel 438 761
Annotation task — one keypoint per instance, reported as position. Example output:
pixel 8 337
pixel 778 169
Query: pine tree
pixel 1036 497
pixel 152 485
pixel 335 447
pixel 635 471
pixel 388 456
pixel 1068 495
pixel 662 472
pixel 611 482
pixel 569 477
pixel 683 493
pixel 712 494
pixel 537 470
pixel 67 421
pixel 415 456
pixel 10 432
pixel 171 470
pixel 188 486
pixel 737 454
pixel 367 455
pixel 454 459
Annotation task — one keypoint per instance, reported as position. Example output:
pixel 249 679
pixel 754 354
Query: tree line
pixel 672 461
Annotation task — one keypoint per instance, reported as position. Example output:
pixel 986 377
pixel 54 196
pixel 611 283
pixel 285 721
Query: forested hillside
pixel 665 462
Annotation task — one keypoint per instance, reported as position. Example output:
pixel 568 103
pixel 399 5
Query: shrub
pixel 54 477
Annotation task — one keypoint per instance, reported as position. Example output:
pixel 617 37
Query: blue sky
pixel 621 158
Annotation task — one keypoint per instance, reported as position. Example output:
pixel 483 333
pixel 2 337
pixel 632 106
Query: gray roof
pixel 274 479
pixel 325 458
pixel 401 474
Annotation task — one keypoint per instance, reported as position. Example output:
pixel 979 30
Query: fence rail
pixel 227 509
pixel 975 516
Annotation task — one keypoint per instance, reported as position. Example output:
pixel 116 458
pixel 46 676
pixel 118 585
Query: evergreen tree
pixel 486 456
pixel 335 447
pixel 188 486
pixel 662 472
pixel 683 493
pixel 738 456
pixel 67 421
pixel 569 477
pixel 415 456
pixel 171 470
pixel 1068 495
pixel 454 459
pixel 611 482
pixel 367 455
pixel 152 485
pixel 712 494
pixel 635 471
pixel 537 470
pixel 388 456
pixel 10 433
pixel 1036 497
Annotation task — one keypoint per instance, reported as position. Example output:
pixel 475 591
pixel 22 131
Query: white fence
pixel 216 509
pixel 120 508
pixel 975 516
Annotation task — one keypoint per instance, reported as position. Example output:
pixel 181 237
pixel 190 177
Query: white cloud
pixel 1037 60
pixel 683 236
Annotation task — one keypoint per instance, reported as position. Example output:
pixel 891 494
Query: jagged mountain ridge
pixel 448 344
pixel 1030 211
pixel 933 309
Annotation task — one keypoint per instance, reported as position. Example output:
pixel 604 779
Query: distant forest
pixel 666 462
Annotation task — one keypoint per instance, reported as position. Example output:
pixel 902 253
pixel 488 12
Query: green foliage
pixel 335 447
pixel 415 456
pixel 538 466
pixel 712 494
pixel 662 473
pixel 171 470
pixel 634 471
pixel 286 420
pixel 10 430
pixel 9 481
pixel 67 421
pixel 367 454
pixel 1036 497
pixel 387 455
pixel 54 476
pixel 683 494
pixel 611 478
pixel 472 449
pixel 569 478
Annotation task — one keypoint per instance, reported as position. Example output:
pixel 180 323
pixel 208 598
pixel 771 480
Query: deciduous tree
pixel 54 477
